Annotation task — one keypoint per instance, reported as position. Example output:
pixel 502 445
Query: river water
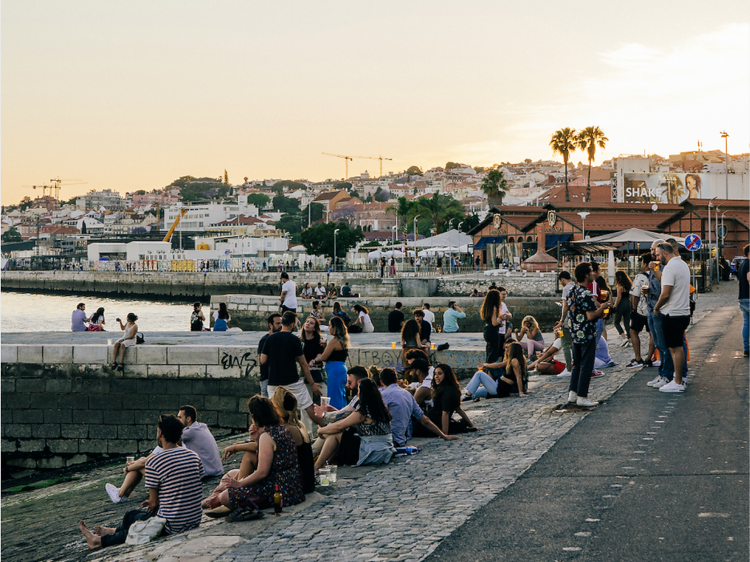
pixel 26 312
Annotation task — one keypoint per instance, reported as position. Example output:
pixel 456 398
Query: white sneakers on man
pixel 565 373
pixel 662 381
pixel 572 397
pixel 658 380
pixel 586 402
pixel 672 387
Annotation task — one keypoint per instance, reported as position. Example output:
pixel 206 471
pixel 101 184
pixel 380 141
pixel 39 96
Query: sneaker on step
pixel 586 402
pixel 653 382
pixel 672 387
pixel 565 373
pixel 635 364
pixel 572 396
pixel 663 381
pixel 656 363
pixel 596 374
pixel 609 364
pixel 113 493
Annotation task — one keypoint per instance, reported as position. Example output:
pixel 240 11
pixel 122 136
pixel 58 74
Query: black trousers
pixel 583 365
pixel 122 530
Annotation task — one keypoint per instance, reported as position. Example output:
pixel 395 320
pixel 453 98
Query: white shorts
pixel 299 390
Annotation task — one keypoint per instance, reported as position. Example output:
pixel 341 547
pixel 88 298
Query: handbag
pixel 142 532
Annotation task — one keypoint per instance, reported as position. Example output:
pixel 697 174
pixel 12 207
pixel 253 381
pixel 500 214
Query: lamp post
pixel 710 206
pixel 583 215
pixel 718 244
pixel 725 136
pixel 335 233
pixel 415 237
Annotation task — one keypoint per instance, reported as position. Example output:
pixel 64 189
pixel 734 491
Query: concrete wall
pixel 249 312
pixel 62 405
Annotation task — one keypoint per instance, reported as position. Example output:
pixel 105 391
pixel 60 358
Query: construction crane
pixel 44 188
pixel 346 159
pixel 174 225
pixel 56 185
pixel 381 158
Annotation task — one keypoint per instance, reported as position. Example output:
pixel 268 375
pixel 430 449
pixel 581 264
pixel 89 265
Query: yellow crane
pixel 57 184
pixel 346 159
pixel 44 188
pixel 381 158
pixel 174 225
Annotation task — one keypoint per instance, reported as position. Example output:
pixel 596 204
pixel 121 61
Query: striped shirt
pixel 177 474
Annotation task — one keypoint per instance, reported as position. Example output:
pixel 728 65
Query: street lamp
pixel 725 136
pixel 335 233
pixel 710 205
pixel 583 215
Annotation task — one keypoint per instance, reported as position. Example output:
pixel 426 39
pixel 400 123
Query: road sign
pixel 722 231
pixel 693 242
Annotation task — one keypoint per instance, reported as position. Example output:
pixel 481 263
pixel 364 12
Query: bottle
pixel 277 501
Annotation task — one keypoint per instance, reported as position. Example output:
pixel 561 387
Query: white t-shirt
pixel 320 292
pixel 641 280
pixel 676 274
pixel 504 324
pixel 558 344
pixel 216 316
pixel 290 300
pixel 365 318
pixel 429 316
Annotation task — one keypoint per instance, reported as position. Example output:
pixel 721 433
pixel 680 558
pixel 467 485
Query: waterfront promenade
pixel 622 485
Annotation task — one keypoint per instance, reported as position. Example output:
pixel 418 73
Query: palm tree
pixel 564 142
pixel 495 186
pixel 439 208
pixel 588 140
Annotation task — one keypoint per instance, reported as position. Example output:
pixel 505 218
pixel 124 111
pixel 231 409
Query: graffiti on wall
pixel 246 362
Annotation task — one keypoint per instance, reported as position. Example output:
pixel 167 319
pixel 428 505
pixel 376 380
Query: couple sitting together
pixel 500 380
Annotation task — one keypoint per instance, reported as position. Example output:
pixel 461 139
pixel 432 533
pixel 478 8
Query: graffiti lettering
pixel 245 362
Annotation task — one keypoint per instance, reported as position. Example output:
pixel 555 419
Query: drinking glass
pixel 393 345
pixel 325 401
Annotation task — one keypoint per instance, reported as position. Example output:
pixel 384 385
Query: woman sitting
pixel 410 338
pixel 446 396
pixel 363 322
pixel 197 318
pixel 306 292
pixel 546 364
pixel 335 355
pixel 340 313
pixel 96 323
pixel 318 314
pixel 249 450
pixel 535 340
pixel 370 443
pixel 513 377
pixel 221 318
pixel 286 403
pixel 277 462
pixel 127 340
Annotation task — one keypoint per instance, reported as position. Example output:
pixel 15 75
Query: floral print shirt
pixel 581 301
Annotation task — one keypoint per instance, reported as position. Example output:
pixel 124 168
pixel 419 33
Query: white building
pixel 132 251
pixel 199 217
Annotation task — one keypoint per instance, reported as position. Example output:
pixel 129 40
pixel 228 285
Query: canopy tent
pixel 630 235
pixel 451 239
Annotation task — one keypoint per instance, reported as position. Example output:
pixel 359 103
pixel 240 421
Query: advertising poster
pixel 664 187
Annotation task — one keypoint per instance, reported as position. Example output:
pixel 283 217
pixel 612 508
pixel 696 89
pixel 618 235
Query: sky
pixel 132 95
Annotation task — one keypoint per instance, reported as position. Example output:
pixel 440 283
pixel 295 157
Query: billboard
pixel 664 187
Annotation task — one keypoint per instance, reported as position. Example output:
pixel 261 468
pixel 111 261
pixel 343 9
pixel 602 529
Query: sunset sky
pixel 132 95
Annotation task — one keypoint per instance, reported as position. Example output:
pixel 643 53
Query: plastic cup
pixel 325 401
pixel 109 342
pixel 129 459
pixel 393 345
pixel 325 476
pixel 333 477
pixel 432 346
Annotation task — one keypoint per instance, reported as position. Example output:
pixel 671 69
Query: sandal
pixel 121 367
pixel 221 511
pixel 245 514
pixel 113 366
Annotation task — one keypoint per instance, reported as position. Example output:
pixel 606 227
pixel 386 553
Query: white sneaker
pixel 565 373
pixel 672 387
pixel 653 382
pixel 572 396
pixel 656 363
pixel 113 493
pixel 586 402
pixel 662 382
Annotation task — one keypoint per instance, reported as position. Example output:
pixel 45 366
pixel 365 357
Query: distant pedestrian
pixel 288 294
pixel 428 314
pixel 490 312
pixel 639 316
pixel 221 318
pixel 623 306
pixel 274 325
pixel 396 319
pixel 128 339
pixel 393 266
pixel 96 322
pixel 564 324
pixel 743 276
pixel 477 262
pixel 79 318
pixel 453 313
pixel 197 318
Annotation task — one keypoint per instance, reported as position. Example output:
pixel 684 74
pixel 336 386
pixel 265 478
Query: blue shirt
pixel 402 406
pixel 449 320
pixel 78 321
pixel 654 290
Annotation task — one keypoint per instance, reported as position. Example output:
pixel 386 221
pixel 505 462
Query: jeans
pixel 583 366
pixel 599 328
pixel 264 388
pixel 121 533
pixel 745 308
pixel 489 385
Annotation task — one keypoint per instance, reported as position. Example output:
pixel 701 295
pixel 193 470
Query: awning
pixel 484 240
pixel 555 239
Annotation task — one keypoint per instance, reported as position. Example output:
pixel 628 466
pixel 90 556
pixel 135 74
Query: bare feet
pixel 101 530
pixel 93 541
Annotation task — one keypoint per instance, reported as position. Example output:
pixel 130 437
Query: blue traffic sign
pixel 693 242
pixel 722 231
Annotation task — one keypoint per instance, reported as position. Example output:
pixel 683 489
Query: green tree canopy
pixel 345 185
pixel 140 192
pixel 259 200
pixel 451 165
pixel 290 223
pixel 469 222
pixel 26 202
pixel 563 142
pixel 495 186
pixel 588 140
pixel 414 171
pixel 286 205
pixel 382 195
pixel 12 235
pixel 319 240
pixel 439 209
pixel 289 185
pixel 315 213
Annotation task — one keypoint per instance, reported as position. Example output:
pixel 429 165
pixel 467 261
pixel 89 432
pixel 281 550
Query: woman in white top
pixel 307 292
pixel 364 319
pixel 127 340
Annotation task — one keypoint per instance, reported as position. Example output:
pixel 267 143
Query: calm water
pixel 24 312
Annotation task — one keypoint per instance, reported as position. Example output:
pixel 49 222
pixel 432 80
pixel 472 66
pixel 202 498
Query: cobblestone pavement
pixel 403 510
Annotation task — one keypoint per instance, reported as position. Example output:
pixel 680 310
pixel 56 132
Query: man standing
pixel 396 319
pixel 403 407
pixel 274 325
pixel 288 294
pixel 173 479
pixel 664 363
pixel 743 276
pixel 583 312
pixel 198 438
pixel 428 315
pixel 564 323
pixel 674 308
pixel 639 317
pixel 281 352
pixel 79 319
pixel 450 316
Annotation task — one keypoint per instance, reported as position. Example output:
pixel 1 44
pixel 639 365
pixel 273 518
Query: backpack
pixel 139 338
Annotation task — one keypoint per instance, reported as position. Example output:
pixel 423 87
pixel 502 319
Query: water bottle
pixel 407 450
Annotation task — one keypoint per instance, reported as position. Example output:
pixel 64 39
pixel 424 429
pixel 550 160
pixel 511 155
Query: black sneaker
pixel 634 364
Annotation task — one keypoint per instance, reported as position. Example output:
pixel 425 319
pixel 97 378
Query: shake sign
pixel 663 187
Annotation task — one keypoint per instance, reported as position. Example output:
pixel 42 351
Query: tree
pixel 140 192
pixel 319 240
pixel 289 185
pixel 346 213
pixel 290 223
pixel 26 202
pixel 414 171
pixel 588 140
pixel 315 213
pixel 259 200
pixel 286 205
pixel 382 195
pixel 11 235
pixel 139 230
pixel 563 142
pixel 439 209
pixel 345 185
pixel 479 169
pixel 495 186
pixel 226 178
pixel 83 227
pixel 469 222
pixel 451 165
